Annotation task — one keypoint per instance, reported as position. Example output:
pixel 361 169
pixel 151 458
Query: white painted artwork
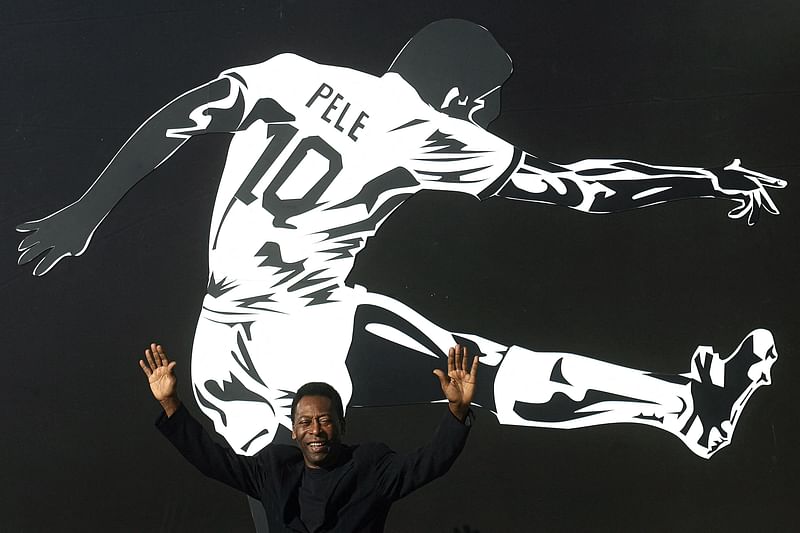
pixel 319 158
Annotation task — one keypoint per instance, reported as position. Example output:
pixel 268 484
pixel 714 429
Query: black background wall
pixel 677 83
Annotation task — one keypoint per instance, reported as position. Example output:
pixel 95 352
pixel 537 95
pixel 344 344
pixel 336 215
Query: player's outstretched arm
pixel 215 106
pixel 607 186
pixel 459 384
pixel 161 376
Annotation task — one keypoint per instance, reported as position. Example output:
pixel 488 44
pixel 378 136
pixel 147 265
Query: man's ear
pixel 294 437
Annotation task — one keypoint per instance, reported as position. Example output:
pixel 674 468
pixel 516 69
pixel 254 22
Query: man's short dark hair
pixel 318 388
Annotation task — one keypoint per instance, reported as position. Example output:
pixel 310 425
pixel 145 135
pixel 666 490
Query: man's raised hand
pixel 160 375
pixel 458 385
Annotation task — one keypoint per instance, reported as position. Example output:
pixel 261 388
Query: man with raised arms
pixel 322 484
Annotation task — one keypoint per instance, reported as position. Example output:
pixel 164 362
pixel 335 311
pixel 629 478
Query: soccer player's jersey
pixel 324 154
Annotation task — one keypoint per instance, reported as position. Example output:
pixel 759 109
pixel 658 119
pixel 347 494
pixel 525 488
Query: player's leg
pixel 395 350
pixel 700 407
pixel 246 369
pixel 395 347
pixel 228 389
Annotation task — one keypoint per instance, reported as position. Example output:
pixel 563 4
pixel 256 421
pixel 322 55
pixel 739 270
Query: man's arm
pixel 400 474
pixel 189 436
pixel 606 186
pixel 216 106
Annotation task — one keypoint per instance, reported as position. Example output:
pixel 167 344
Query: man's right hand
pixel 163 382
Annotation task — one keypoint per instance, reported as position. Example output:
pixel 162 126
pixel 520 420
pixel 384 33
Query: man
pixel 320 157
pixel 323 484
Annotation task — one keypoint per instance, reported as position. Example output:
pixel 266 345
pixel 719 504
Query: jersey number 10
pixel 282 208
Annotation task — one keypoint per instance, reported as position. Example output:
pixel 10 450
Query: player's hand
pixel 160 375
pixel 748 189
pixel 459 384
pixel 63 234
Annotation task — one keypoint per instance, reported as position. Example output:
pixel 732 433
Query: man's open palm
pixel 158 370
pixel 458 385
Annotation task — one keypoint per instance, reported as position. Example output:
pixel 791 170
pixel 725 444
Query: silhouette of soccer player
pixel 320 156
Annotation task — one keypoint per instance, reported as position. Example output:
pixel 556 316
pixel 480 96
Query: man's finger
pixel 147 371
pixel 443 380
pixel 451 356
pixel 459 358
pixel 150 361
pixel 161 355
pixel 154 352
pixel 473 372
pixel 157 355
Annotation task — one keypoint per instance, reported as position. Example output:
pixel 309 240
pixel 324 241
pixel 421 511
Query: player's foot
pixel 720 388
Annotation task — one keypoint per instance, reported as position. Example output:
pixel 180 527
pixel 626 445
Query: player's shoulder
pixel 286 62
pixel 289 58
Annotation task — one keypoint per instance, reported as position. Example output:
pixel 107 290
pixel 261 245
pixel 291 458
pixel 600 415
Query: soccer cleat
pixel 720 389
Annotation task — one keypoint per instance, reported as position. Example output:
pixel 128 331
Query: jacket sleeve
pixel 400 474
pixel 212 459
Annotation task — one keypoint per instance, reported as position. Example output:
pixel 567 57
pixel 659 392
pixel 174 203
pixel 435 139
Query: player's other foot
pixel 720 388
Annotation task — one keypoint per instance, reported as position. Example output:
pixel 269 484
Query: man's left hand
pixel 458 385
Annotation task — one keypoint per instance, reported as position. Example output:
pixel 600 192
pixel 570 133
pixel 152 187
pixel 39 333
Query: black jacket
pixel 367 480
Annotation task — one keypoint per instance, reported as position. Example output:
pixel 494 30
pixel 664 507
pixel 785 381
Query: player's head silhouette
pixel 457 67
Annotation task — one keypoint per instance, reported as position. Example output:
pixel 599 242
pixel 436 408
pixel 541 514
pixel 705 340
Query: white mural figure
pixel 320 157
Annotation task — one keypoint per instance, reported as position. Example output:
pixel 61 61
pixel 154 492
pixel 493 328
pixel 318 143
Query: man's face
pixel 317 430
